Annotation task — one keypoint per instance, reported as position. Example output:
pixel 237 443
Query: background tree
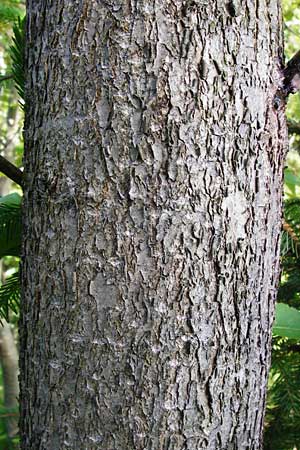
pixel 10 133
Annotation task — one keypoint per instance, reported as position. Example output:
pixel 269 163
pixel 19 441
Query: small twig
pixel 9 76
pixel 291 30
pixel 8 415
pixel 11 171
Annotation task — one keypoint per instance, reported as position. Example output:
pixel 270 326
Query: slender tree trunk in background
pixel 9 363
pixel 152 216
pixel 9 358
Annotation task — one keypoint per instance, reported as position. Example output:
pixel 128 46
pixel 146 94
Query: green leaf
pixel 13 200
pixel 290 178
pixel 287 322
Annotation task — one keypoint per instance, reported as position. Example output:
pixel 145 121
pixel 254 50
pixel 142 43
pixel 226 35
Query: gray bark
pixel 153 168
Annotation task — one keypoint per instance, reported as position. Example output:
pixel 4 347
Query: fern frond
pixel 290 240
pixel 292 214
pixel 17 53
pixel 10 225
pixel 10 296
pixel 290 244
pixel 283 411
pixel 289 290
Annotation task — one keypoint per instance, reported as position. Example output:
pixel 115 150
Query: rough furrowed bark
pixel 153 177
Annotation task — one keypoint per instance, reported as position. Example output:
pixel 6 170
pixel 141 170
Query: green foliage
pixel 10 296
pixel 289 290
pixel 292 212
pixel 10 211
pixel 291 13
pixel 9 11
pixel 17 53
pixel 292 181
pixel 287 322
pixel 282 430
pixel 290 282
pixel 283 406
pixel 10 225
pixel 10 244
pixel 290 243
pixel 16 57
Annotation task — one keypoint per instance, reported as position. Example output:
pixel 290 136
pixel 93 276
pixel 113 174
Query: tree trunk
pixel 9 363
pixel 8 350
pixel 152 215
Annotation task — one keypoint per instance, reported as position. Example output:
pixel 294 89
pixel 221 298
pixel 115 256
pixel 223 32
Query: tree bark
pixel 152 216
